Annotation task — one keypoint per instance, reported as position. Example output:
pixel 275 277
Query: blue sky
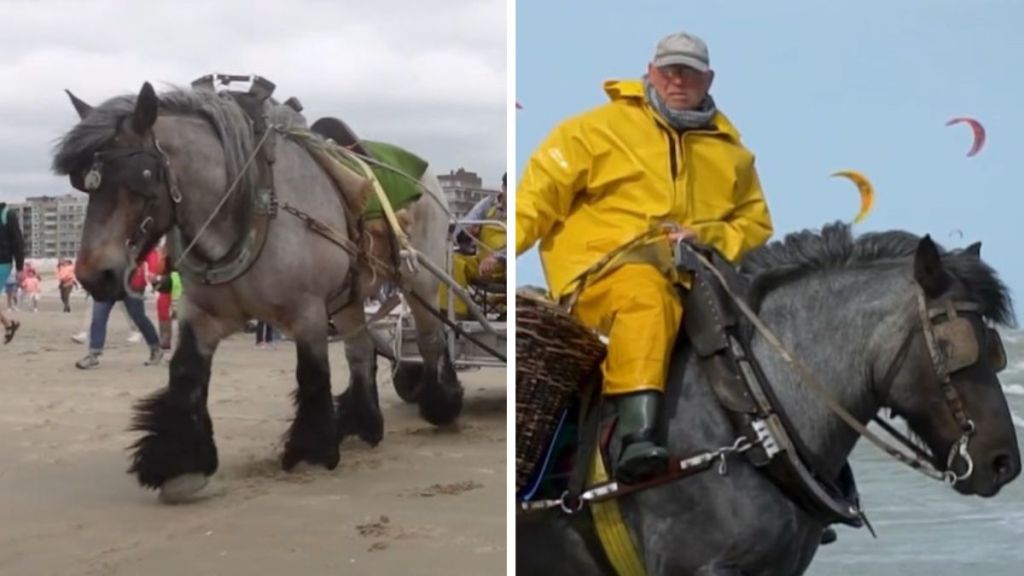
pixel 816 87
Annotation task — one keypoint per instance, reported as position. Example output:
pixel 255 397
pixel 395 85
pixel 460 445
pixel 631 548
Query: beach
pixel 425 501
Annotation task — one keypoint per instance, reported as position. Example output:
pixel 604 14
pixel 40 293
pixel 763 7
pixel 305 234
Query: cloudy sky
pixel 427 75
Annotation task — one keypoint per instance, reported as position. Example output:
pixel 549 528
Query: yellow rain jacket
pixel 604 177
pixel 466 268
pixel 607 176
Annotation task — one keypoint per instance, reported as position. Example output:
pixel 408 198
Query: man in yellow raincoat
pixel 659 153
pixel 488 259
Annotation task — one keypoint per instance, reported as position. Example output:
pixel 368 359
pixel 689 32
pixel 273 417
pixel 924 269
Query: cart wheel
pixel 407 380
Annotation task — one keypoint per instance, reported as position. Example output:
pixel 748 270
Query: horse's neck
pixel 845 327
pixel 203 187
pixel 832 325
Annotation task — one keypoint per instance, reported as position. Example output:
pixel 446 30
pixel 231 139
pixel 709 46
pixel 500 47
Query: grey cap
pixel 682 48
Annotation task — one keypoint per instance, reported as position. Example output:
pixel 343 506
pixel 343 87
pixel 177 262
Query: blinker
pixel 94 177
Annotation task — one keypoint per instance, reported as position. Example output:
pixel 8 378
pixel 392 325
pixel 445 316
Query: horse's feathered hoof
pixel 182 488
pixel 360 417
pixel 326 455
pixel 440 406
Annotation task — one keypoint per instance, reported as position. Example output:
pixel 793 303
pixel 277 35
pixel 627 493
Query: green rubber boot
pixel 640 457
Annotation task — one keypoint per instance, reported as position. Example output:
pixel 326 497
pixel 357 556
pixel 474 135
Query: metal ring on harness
pixel 563 503
pixel 133 253
pixel 960 449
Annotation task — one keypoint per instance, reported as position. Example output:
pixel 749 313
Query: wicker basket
pixel 554 354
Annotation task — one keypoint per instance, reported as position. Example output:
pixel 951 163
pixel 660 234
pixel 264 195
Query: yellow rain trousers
pixel 466 267
pixel 640 311
pixel 605 177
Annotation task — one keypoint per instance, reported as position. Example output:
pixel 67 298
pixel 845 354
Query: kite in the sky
pixel 867 192
pixel 958 233
pixel 518 105
pixel 976 128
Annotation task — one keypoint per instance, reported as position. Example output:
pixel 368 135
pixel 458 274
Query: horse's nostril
pixel 109 277
pixel 1002 465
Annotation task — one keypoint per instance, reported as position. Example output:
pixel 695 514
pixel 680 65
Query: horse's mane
pixel 73 152
pixel 800 254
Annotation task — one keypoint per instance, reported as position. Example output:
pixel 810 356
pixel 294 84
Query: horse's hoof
pixel 182 488
pixel 371 429
pixel 408 378
pixel 440 406
pixel 359 419
pixel 328 458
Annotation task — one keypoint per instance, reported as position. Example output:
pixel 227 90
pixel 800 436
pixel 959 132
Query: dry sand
pixel 425 501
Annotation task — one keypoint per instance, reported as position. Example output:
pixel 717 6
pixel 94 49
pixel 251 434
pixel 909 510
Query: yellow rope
pixel 385 203
pixel 611 530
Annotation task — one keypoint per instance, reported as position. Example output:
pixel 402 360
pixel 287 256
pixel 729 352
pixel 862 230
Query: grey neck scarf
pixel 681 119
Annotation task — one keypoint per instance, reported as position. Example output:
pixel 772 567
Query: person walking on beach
pixel 31 287
pixel 66 279
pixel 136 311
pixel 12 255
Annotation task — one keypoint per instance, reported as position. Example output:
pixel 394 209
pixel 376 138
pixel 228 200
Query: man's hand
pixel 682 234
pixel 489 265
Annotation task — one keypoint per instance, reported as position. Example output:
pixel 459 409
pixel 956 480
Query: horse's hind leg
pixel 358 407
pixel 313 435
pixel 440 393
pixel 176 453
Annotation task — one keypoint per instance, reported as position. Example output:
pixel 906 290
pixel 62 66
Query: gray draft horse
pixel 844 306
pixel 136 147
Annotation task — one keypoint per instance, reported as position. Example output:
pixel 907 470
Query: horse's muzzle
pixel 103 285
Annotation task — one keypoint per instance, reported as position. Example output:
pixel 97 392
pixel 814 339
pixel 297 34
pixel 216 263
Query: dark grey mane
pixel 800 254
pixel 73 152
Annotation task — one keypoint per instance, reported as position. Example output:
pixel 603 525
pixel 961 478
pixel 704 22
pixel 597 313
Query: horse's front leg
pixel 176 453
pixel 440 393
pixel 313 434
pixel 358 407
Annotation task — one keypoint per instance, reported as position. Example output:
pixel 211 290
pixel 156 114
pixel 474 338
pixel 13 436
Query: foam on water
pixel 1015 367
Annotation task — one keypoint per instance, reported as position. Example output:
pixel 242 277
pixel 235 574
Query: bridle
pixel 155 175
pixel 952 346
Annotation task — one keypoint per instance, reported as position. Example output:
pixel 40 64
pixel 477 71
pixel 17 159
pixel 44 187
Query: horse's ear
pixel 146 106
pixel 81 107
pixel 928 270
pixel 974 250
